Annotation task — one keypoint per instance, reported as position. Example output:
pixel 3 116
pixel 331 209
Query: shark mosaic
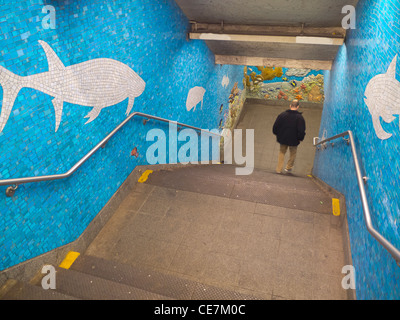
pixel 97 83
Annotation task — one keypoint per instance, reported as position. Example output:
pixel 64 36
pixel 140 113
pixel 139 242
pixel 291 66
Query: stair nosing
pixel 186 286
pixel 194 289
pixel 111 290
pixel 20 290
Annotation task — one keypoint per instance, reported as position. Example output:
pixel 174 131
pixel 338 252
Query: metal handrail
pixel 361 180
pixel 18 181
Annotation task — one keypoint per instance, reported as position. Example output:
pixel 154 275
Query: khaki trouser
pixel 281 158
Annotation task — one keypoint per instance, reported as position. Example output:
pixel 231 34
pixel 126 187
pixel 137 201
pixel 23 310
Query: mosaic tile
pixel 113 39
pixel 369 51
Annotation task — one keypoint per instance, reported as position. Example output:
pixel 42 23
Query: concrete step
pixel 75 285
pixel 88 287
pixel 288 191
pixel 271 241
pixel 144 278
pixel 17 290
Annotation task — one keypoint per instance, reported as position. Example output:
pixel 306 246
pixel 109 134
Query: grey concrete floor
pixel 261 117
pixel 253 248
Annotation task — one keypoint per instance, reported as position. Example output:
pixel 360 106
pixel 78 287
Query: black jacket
pixel 290 128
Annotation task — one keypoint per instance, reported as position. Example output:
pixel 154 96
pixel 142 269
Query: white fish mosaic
pixel 97 83
pixel 383 99
pixel 225 81
pixel 195 96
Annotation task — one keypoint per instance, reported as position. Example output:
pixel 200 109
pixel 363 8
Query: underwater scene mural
pixel 230 115
pixel 276 83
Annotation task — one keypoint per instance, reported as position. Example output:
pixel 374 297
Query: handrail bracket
pixel 10 191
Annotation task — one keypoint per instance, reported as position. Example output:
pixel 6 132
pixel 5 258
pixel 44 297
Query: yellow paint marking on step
pixel 335 207
pixel 144 176
pixel 69 259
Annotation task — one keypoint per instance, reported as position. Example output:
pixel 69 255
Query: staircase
pixel 203 233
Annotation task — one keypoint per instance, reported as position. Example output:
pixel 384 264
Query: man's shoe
pixel 288 170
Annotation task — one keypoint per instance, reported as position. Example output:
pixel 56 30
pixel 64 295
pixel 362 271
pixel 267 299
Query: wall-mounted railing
pixel 14 183
pixel 361 181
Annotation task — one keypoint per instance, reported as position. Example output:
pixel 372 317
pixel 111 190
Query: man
pixel 290 130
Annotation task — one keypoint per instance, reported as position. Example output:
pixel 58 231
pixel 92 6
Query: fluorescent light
pixel 319 40
pixel 267 39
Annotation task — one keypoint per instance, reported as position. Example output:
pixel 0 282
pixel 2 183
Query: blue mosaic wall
pixel 147 36
pixel 368 52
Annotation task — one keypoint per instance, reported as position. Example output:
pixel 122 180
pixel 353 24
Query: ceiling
pixel 286 33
